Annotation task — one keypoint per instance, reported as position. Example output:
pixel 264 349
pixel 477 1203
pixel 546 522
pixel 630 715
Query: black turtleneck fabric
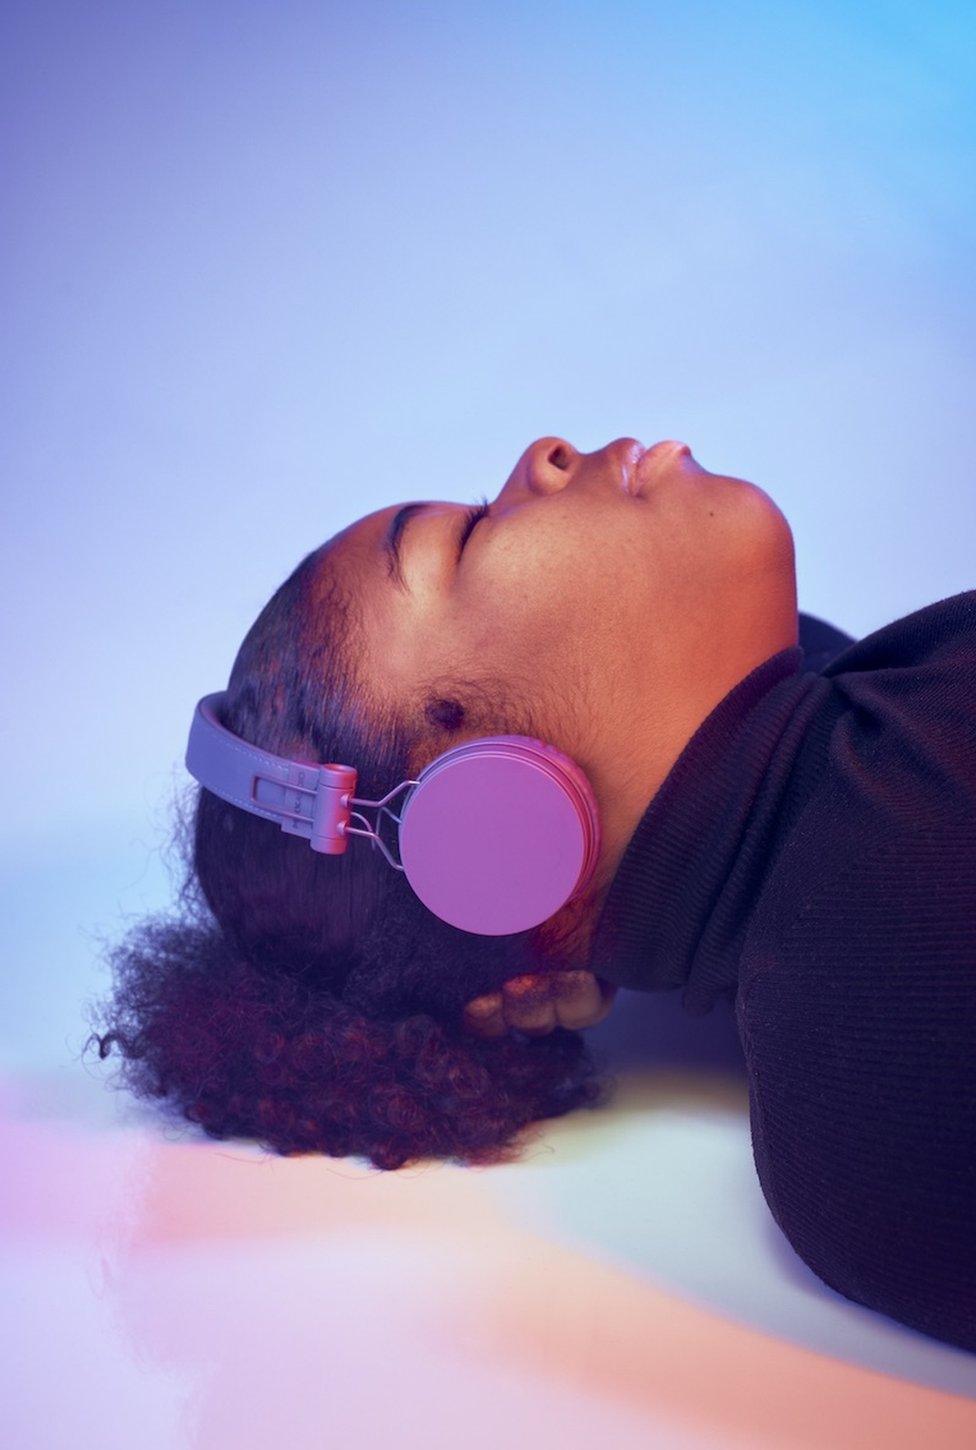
pixel 811 859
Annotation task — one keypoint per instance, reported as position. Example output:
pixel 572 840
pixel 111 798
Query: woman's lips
pixel 666 446
pixel 652 458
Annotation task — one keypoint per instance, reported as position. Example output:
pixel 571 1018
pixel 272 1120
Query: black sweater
pixel 811 858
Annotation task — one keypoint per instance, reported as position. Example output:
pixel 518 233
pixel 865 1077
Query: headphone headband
pixel 495 836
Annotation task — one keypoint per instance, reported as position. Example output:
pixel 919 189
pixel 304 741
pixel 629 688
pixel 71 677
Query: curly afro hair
pixel 312 1003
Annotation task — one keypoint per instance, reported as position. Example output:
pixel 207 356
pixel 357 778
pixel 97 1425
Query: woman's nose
pixel 546 462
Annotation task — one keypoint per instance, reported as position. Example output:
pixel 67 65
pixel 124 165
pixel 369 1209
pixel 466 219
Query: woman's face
pixel 620 593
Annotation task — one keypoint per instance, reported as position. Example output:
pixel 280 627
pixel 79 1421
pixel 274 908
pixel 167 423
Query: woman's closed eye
pixel 471 518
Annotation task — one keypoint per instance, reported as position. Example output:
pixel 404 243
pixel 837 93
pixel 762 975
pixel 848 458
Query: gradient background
pixel 269 267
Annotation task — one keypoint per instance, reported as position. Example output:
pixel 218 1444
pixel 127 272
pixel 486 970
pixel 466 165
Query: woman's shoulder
pixel 941 632
pixel 883 845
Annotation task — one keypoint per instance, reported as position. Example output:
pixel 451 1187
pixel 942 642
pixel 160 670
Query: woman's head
pixel 312 1001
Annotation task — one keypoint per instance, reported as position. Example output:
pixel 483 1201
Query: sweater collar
pixel 679 905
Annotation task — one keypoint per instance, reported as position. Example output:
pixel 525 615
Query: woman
pixel 792 832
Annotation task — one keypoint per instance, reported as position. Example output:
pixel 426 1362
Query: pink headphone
pixel 495 836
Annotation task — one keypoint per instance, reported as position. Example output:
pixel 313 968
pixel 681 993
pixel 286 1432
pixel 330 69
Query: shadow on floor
pixel 653 1030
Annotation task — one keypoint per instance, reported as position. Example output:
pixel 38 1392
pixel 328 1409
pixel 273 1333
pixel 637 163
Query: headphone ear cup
pixel 499 833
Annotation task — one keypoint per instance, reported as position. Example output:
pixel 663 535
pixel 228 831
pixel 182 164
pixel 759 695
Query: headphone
pixel 494 837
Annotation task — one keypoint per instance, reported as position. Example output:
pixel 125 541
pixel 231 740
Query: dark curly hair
pixel 312 1003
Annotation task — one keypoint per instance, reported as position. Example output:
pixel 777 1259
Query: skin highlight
pixel 621 593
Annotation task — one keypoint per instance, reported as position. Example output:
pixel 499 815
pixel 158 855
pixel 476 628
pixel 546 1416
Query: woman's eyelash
pixel 471 519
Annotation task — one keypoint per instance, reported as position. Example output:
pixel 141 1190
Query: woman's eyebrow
pixel 391 544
